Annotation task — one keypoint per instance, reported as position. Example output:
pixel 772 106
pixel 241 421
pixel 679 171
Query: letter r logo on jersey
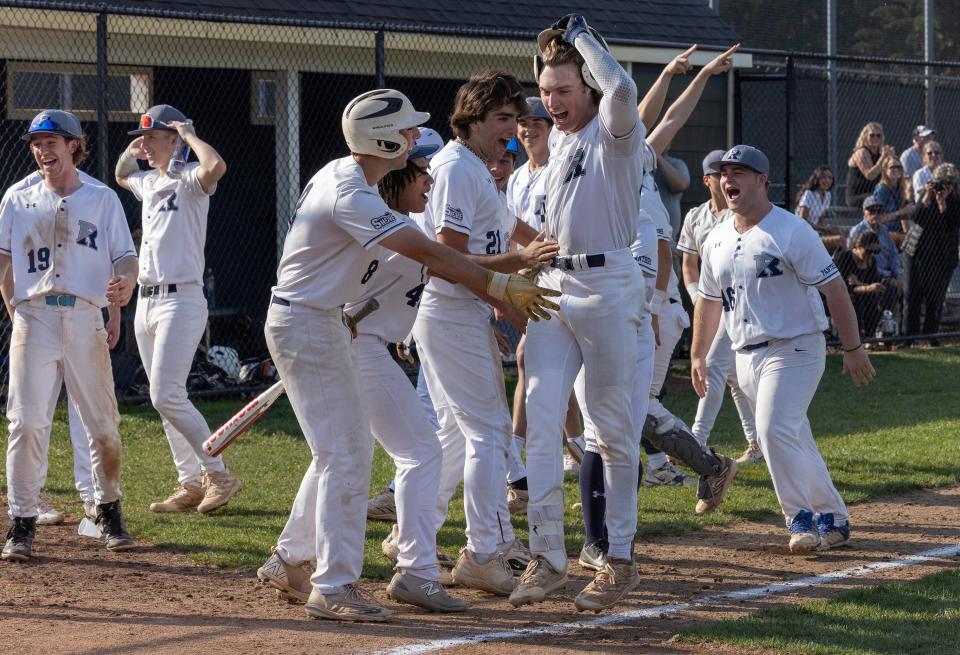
pixel 171 204
pixel 87 236
pixel 767 265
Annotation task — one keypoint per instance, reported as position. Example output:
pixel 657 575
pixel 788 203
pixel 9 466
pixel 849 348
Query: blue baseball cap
pixel 744 156
pixel 54 121
pixel 872 201
pixel 427 145
pixel 715 155
pixel 513 146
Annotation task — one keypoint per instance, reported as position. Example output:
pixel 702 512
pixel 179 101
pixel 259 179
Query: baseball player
pixel 592 188
pixel 331 256
pixel 762 270
pixel 71 252
pixel 172 311
pixel 456 342
pixel 721 360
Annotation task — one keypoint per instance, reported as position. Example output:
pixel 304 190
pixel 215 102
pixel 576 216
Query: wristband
pixel 850 350
pixel 658 301
pixel 126 165
pixel 497 284
pixel 692 290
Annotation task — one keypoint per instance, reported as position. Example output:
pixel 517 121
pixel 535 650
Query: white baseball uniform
pixel 766 279
pixel 398 419
pixel 526 195
pixel 330 256
pixel 170 322
pixel 593 193
pixel 721 360
pixel 63 250
pixel 459 353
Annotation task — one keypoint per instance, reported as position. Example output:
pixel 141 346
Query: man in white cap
pixel 331 256
pixel 912 157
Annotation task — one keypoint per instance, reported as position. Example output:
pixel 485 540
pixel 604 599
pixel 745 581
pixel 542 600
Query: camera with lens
pixel 938 185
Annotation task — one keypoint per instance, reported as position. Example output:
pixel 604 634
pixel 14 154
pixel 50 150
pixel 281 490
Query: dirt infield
pixel 74 597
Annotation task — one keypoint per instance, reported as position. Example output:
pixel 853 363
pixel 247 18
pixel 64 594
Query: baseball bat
pixel 251 413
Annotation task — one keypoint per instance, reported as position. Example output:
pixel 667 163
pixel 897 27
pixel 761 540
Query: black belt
pixel 566 263
pixel 146 292
pixel 274 300
pixel 756 346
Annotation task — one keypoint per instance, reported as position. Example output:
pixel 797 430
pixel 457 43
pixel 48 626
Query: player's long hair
pixel 393 183
pixel 485 92
pixel 813 183
pixel 864 137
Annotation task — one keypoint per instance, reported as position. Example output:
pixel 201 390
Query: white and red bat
pixel 251 413
pixel 242 420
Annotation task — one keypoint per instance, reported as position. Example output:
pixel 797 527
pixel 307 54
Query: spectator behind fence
pixel 870 292
pixel 812 203
pixel 912 157
pixel 673 178
pixel 895 197
pixel 864 163
pixel 930 251
pixel 932 157
pixel 887 261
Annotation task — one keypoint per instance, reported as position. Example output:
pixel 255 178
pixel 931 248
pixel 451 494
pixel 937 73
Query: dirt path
pixel 74 597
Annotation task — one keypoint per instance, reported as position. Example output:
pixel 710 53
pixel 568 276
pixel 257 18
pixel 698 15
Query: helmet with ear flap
pixel 547 35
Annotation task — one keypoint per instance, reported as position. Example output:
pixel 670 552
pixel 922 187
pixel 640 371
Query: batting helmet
pixel 558 28
pixel 372 123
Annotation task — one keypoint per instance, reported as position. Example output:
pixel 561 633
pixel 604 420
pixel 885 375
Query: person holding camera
pixel 930 251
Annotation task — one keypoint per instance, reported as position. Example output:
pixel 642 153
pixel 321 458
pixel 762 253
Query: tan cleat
pixel 185 497
pixel 714 487
pixel 428 594
pixel 494 577
pixel 751 454
pixel 383 506
pixel 390 547
pixel 537 581
pixel 517 500
pixel 218 488
pixel 350 604
pixel 610 585
pixel 804 542
pixel 291 582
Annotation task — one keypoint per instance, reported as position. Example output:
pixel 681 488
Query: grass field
pixel 888 437
pixel 921 617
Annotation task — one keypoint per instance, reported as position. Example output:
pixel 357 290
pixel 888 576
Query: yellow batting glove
pixel 521 292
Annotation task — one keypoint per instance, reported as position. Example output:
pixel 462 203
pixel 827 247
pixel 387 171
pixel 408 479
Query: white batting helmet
pixel 372 123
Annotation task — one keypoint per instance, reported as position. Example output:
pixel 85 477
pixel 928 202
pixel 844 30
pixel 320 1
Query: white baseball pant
pixel 596 328
pixel 49 346
pixel 82 474
pixel 462 366
pixel 312 353
pixel 672 322
pixel 722 371
pixel 399 422
pixel 779 382
pixel 169 327
pixel 423 392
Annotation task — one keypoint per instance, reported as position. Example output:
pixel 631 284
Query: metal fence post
pixel 928 55
pixel 380 55
pixel 103 156
pixel 791 95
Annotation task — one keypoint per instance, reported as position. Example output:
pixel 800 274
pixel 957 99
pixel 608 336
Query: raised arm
pixel 212 166
pixel 652 102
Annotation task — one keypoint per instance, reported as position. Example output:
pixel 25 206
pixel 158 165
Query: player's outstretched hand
pixel 539 252
pixel 119 290
pixel 184 129
pixel 521 292
pixel 723 63
pixel 857 364
pixel 681 63
pixel 698 375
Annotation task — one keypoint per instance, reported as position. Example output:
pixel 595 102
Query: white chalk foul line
pixel 665 610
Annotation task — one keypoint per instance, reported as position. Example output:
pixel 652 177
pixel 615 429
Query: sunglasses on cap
pixel 148 122
pixel 46 124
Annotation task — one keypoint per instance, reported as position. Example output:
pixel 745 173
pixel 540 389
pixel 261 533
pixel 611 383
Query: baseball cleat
pixel 90 510
pixel 390 546
pixel 517 500
pixel 218 488
pixel 292 582
pixel 428 594
pixel 19 544
pixel 610 585
pixel 667 476
pixel 349 604
pixel 517 555
pixel 46 514
pixel 593 556
pixel 185 497
pixel 382 507
pixel 713 487
pixel 538 580
pixel 751 454
pixel 803 534
pixel 495 576
pixel 831 534
pixel 114 529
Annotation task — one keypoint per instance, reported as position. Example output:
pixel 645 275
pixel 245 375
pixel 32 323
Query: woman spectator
pixel 869 292
pixel 895 197
pixel 812 203
pixel 930 251
pixel 864 163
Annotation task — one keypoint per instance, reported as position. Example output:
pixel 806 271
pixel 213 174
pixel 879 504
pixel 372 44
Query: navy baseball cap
pixel 536 109
pixel 54 121
pixel 871 201
pixel 715 155
pixel 744 156
pixel 158 117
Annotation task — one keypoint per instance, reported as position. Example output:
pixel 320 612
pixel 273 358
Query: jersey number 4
pixel 413 295
pixel 39 260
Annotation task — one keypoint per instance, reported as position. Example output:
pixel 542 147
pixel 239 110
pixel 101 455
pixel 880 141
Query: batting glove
pixel 576 25
pixel 522 293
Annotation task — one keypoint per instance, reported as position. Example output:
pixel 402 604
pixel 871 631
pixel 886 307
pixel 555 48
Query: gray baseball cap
pixel 537 110
pixel 158 117
pixel 54 121
pixel 744 156
pixel 715 155
pixel 871 201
